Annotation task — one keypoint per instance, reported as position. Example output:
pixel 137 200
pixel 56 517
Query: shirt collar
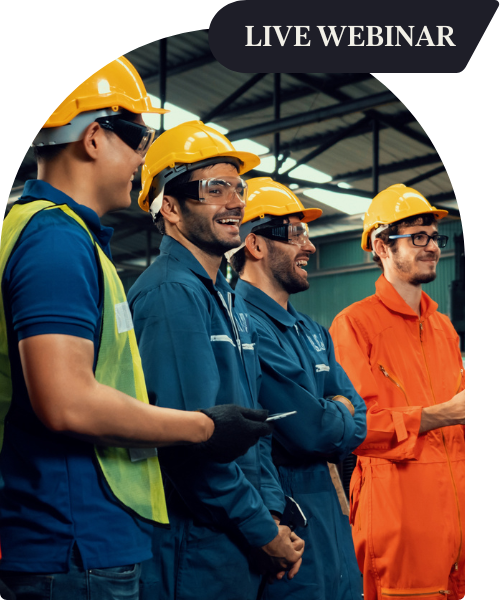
pixel 36 189
pixel 386 292
pixel 266 304
pixel 179 252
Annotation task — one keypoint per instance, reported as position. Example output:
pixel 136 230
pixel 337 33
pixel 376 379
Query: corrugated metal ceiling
pixel 197 83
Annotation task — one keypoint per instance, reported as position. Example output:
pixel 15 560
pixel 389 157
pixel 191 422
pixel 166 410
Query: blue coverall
pixel 299 372
pixel 198 349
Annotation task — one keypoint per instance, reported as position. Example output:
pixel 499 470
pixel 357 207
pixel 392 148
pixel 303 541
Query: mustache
pixel 237 212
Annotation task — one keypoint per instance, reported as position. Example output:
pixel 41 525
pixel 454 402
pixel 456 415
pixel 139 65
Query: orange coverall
pixel 407 491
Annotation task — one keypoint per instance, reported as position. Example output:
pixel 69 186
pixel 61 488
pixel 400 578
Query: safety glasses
pixel 216 190
pixel 138 137
pixel 422 239
pixel 297 234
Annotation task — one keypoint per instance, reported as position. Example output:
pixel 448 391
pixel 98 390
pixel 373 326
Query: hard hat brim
pixel 248 162
pixel 366 244
pixel 311 214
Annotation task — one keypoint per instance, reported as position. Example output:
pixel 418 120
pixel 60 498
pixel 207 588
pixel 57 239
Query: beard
pixel 413 278
pixel 283 270
pixel 423 278
pixel 200 233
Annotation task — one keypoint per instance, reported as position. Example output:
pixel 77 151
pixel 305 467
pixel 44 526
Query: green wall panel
pixel 341 254
pixel 330 294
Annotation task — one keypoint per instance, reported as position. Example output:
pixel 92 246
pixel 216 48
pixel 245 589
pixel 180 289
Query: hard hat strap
pixel 376 232
pixel 73 131
pixel 163 177
pixel 247 228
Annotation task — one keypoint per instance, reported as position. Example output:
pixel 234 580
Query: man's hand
pixel 347 403
pixel 283 553
pixel 456 409
pixel 445 414
pixel 236 430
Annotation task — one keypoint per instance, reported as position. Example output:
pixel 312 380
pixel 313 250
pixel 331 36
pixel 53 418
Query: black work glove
pixel 236 430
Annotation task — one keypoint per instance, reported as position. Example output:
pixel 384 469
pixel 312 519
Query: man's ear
pixel 92 139
pixel 256 246
pixel 170 209
pixel 381 249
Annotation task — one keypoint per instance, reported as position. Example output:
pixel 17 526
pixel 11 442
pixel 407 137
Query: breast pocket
pixel 226 353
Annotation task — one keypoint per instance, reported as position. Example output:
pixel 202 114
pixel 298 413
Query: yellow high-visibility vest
pixel 137 485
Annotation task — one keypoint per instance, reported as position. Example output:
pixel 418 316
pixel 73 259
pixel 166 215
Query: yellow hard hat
pixel 189 146
pixel 270 198
pixel 43 95
pixel 395 203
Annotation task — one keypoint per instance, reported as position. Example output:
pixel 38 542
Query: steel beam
pixel 425 176
pixel 445 168
pixel 250 107
pixel 302 183
pixel 414 135
pixel 163 78
pixel 182 67
pixel 314 116
pixel 465 194
pixel 277 107
pixel 402 165
pixel 376 148
pixel 315 140
pixel 331 140
pixel 412 116
pixel 215 112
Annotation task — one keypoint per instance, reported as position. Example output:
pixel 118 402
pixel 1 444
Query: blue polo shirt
pixel 198 349
pixel 51 493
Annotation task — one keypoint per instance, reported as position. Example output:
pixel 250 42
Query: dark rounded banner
pixel 360 36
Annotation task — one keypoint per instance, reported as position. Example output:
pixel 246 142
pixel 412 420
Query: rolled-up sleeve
pixel 392 433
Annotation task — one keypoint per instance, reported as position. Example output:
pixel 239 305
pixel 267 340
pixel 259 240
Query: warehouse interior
pixel 336 139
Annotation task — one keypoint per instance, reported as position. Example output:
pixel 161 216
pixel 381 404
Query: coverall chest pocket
pixel 226 356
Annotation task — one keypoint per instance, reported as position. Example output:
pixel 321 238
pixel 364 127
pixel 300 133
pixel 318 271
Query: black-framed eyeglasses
pixel 215 190
pixel 138 137
pixel 422 239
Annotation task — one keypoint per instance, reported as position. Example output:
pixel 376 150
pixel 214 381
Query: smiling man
pixel 407 491
pixel 300 373
pixel 78 458
pixel 199 350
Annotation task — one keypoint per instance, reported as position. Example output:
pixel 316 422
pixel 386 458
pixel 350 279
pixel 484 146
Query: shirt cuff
pixel 260 529
pixel 54 328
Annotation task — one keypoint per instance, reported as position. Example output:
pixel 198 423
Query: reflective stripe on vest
pixel 137 485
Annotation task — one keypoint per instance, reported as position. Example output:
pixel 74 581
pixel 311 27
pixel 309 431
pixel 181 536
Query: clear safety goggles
pixel 297 233
pixel 138 137
pixel 216 190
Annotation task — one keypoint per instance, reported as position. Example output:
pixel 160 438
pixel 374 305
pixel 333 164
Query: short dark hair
pixel 48 153
pixel 424 219
pixel 52 151
pixel 238 260
pixel 170 187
